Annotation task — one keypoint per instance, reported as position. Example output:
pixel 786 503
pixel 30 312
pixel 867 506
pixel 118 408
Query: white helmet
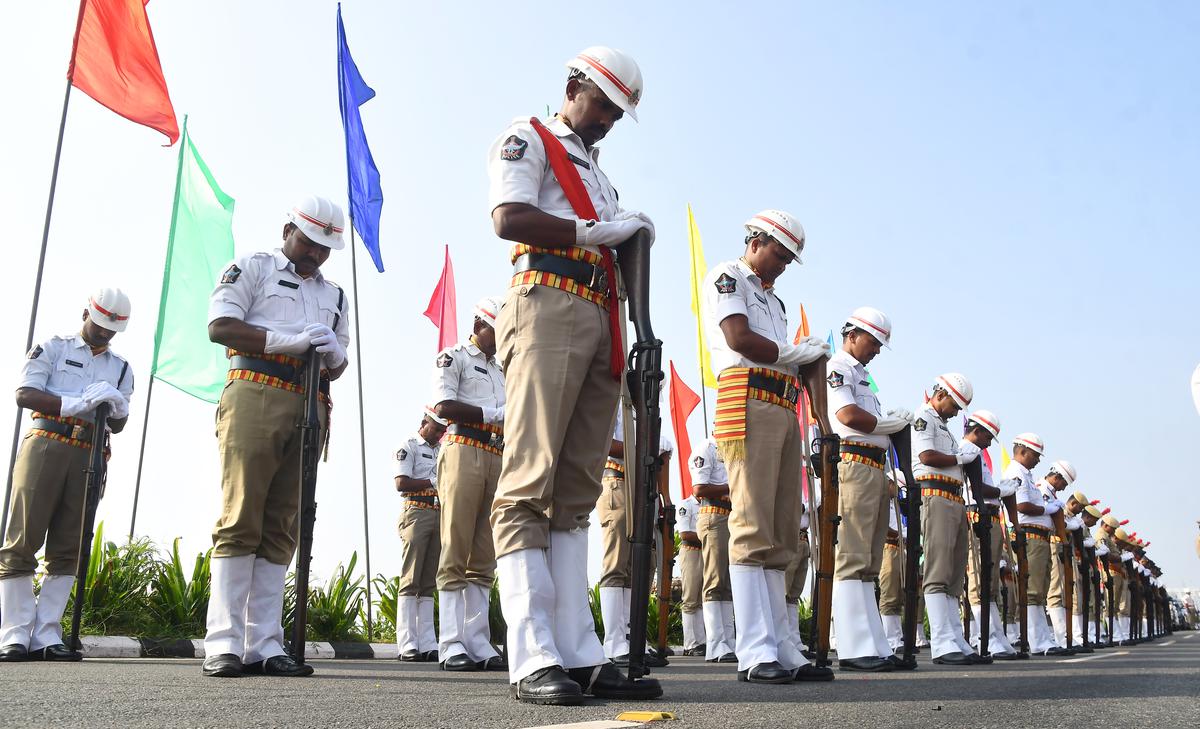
pixel 487 309
pixel 109 308
pixel 320 220
pixel 987 419
pixel 873 321
pixel 432 415
pixel 782 227
pixel 615 72
pixel 957 386
pixel 1030 441
pixel 1064 469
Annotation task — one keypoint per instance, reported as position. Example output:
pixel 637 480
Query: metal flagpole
pixel 362 427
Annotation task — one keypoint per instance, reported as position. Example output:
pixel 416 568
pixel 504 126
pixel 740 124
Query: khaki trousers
pixel 691 575
pixel 1010 615
pixel 1118 585
pixel 421 548
pixel 1054 593
pixel 891 581
pixel 466 479
pixel 260 471
pixel 714 538
pixel 1124 597
pixel 1080 587
pixel 47 507
pixel 1037 555
pixel 975 565
pixel 945 535
pixel 614 533
pixel 765 489
pixel 560 408
pixel 797 572
pixel 863 503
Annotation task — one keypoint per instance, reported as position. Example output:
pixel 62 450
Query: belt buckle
pixel 791 393
pixel 77 432
pixel 496 441
pixel 599 281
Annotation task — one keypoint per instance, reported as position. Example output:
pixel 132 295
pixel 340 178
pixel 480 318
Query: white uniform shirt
pixel 847 385
pixel 732 288
pixel 417 459
pixel 1028 493
pixel 685 520
pixel 465 374
pixel 264 290
pixel 519 171
pixel 930 433
pixel 65 366
pixel 707 467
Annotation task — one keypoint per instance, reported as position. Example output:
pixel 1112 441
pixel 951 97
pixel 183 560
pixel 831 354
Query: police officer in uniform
pixel 268 310
pixel 891 568
pixel 864 500
pixel 794 578
pixel 468 392
pixel 1060 476
pixel 691 576
pixel 759 439
pixel 710 483
pixel 420 532
pixel 63 381
pixel 938 459
pixel 559 344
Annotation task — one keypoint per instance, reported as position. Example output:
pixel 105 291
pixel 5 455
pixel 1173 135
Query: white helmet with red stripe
pixel 1030 441
pixel 957 386
pixel 615 72
pixel 1064 469
pixel 872 321
pixel 109 308
pixel 987 419
pixel 320 220
pixel 487 309
pixel 782 227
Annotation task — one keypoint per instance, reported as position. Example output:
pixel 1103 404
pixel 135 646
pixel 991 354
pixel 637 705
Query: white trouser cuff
pixel 789 657
pixel 229 594
pixel 893 626
pixel 51 603
pixel 478 626
pixel 427 633
pixel 997 640
pixel 264 612
pixel 527 601
pixel 406 623
pixel 452 609
pixel 613 611
pixel 849 616
pixel 755 631
pixel 874 620
pixel 941 624
pixel 573 627
pixel 18 610
pixel 717 644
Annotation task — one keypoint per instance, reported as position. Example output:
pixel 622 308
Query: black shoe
pixel 495 663
pixel 953 659
pixel 870 664
pixel 607 682
pixel 980 660
pixel 654 659
pixel 14 652
pixel 1084 649
pixel 697 651
pixel 809 655
pixel 1004 656
pixel 428 657
pixel 549 685
pixel 621 661
pixel 460 662
pixel 1022 656
pixel 810 672
pixel 280 666
pixel 766 673
pixel 668 652
pixel 900 664
pixel 222 665
pixel 1056 651
pixel 57 652
pixel 729 657
pixel 409 656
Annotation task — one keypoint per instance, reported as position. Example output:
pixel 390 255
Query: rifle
pixel 310 453
pixel 1067 559
pixel 1135 607
pixel 95 474
pixel 1086 586
pixel 1095 587
pixel 825 462
pixel 1112 602
pixel 1010 505
pixel 666 522
pixel 902 443
pixel 644 380
pixel 983 531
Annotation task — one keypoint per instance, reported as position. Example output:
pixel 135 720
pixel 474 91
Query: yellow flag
pixel 699 270
pixel 1004 459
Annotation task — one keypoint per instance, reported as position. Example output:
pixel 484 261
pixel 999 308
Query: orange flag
pixel 443 306
pixel 115 62
pixel 683 401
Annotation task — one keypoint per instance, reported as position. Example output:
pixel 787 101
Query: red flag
pixel 115 62
pixel 442 310
pixel 987 458
pixel 803 408
pixel 683 402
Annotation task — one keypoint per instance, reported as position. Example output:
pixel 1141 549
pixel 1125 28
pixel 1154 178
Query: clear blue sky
pixel 1013 183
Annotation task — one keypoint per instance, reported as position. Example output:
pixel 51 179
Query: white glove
pixel 901 413
pixel 607 233
pixel 493 415
pixel 890 424
pixel 1052 506
pixel 1101 550
pixel 72 406
pixel 810 349
pixel 635 215
pixel 104 392
pixel 1126 556
pixel 94 392
pixel 967 452
pixel 1073 522
pixel 326 342
pixel 295 344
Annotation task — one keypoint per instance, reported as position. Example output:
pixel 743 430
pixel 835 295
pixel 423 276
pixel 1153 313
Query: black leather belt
pixel 614 473
pixel 78 432
pixel 988 510
pixel 782 388
pixel 875 454
pixel 431 500
pixel 933 483
pixel 286 372
pixel 1034 528
pixel 594 277
pixel 719 503
pixel 693 543
pixel 486 437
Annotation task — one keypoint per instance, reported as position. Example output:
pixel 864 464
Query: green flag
pixel 201 242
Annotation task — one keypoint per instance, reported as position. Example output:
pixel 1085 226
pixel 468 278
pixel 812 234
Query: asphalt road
pixel 1154 684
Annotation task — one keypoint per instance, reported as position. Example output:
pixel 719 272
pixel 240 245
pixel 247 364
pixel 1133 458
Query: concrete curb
pixel 118 646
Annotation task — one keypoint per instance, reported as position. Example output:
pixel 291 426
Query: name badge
pixel 73 363
pixel 289 284
pixel 481 369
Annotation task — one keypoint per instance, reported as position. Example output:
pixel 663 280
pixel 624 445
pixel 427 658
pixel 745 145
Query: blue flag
pixel 366 196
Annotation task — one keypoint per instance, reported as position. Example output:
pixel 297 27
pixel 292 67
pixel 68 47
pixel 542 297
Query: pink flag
pixel 683 401
pixel 442 310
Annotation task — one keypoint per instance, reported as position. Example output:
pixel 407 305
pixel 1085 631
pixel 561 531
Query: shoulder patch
pixel 513 148
pixel 835 379
pixel 36 352
pixel 683 511
pixel 444 360
pixel 401 455
pixel 920 425
pixel 231 274
pixel 698 461
pixel 726 284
